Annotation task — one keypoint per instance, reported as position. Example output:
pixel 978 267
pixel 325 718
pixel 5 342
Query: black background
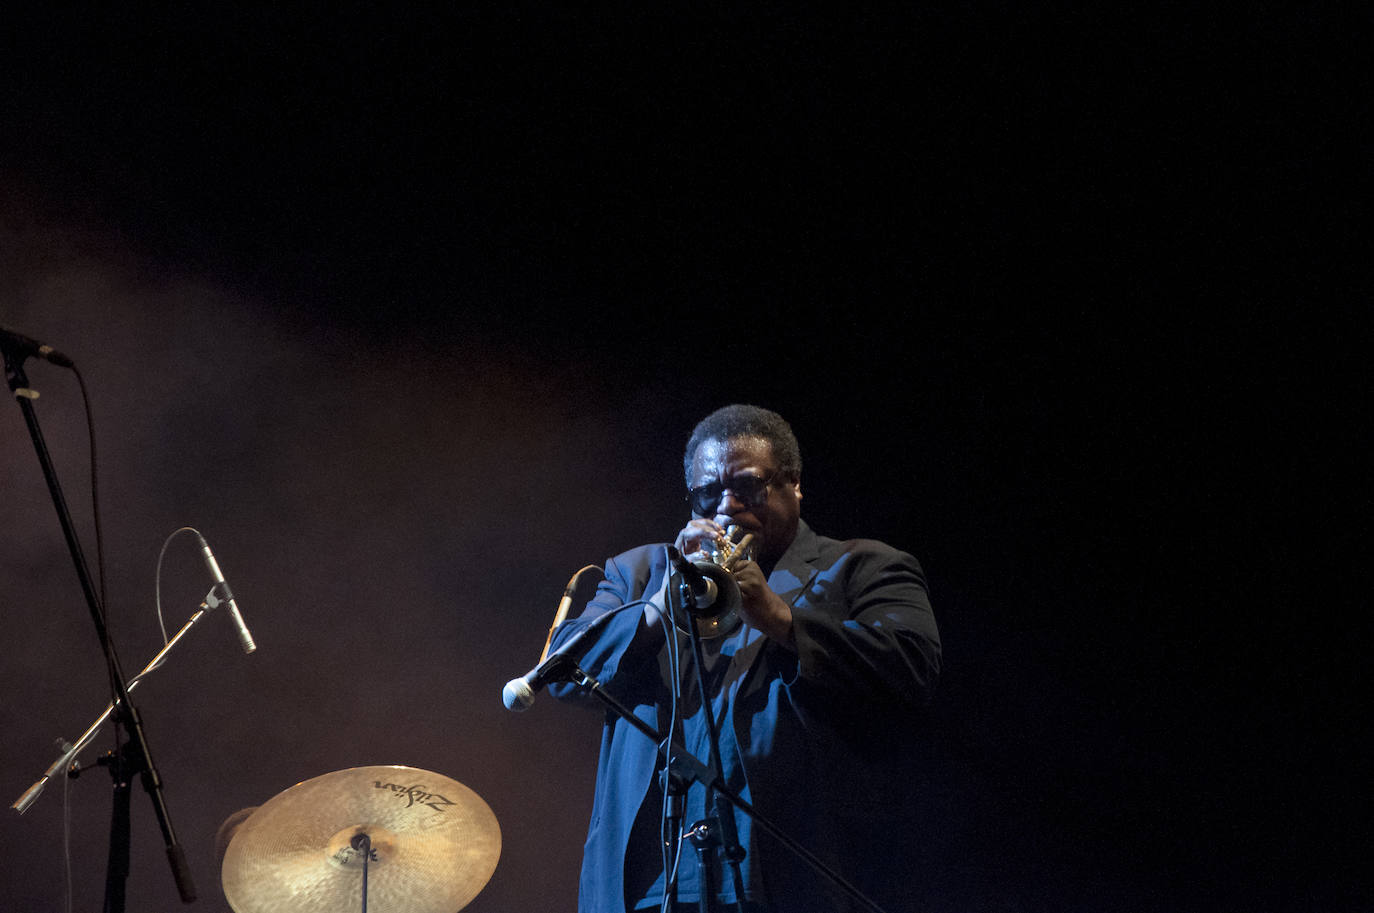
pixel 410 312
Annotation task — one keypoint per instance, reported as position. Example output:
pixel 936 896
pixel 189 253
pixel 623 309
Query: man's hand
pixel 699 537
pixel 760 607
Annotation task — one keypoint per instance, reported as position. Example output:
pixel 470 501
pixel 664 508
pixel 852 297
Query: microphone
pixel 564 605
pixel 244 637
pixel 519 693
pixel 24 346
pixel 704 589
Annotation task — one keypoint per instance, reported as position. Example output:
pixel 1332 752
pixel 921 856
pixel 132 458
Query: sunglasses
pixel 749 490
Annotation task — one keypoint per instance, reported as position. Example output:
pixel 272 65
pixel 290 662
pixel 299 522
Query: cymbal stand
pixel 363 844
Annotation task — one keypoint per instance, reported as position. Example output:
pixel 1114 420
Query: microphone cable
pixel 104 619
pixel 157 578
pixel 670 865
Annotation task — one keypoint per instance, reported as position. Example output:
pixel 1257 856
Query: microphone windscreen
pixel 517 695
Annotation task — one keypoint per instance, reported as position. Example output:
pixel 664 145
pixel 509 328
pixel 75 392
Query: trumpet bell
pixel 717 614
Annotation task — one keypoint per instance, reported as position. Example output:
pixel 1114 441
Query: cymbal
pixel 435 845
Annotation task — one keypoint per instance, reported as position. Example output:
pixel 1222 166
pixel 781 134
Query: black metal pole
pixel 117 866
pixel 722 821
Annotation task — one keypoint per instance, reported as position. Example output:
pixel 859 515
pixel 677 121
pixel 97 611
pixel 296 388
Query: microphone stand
pixel 135 758
pixel 690 769
pixel 718 830
pixel 67 760
pixel 675 786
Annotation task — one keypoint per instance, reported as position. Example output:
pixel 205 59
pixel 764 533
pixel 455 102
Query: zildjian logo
pixel 415 794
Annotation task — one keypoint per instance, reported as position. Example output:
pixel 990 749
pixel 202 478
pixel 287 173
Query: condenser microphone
pixel 245 638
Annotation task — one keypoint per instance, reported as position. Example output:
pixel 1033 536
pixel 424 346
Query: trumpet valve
pixel 734 546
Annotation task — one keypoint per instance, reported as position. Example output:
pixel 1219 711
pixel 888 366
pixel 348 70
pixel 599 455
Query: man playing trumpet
pixel 817 696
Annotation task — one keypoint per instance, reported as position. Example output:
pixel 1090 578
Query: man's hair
pixel 746 421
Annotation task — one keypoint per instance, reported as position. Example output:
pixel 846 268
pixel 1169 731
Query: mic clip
pixel 219 595
pixel 557 668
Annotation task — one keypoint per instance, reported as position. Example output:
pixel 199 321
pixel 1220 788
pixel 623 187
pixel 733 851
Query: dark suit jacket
pixel 824 733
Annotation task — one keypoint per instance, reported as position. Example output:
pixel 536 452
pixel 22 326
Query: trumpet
pixel 720 615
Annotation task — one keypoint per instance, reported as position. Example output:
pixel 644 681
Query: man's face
pixel 772 514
